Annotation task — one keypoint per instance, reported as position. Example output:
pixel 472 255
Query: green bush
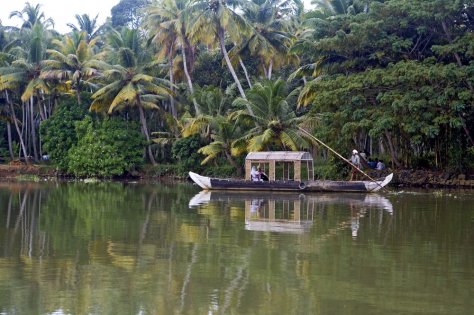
pixel 106 148
pixel 184 151
pixel 58 133
pixel 332 168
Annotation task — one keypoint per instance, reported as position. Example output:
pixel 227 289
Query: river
pixel 167 248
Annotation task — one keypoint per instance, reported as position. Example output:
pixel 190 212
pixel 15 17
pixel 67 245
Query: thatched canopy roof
pixel 282 156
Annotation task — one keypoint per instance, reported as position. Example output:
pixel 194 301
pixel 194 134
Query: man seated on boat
pixel 254 174
pixel 380 165
pixel 263 177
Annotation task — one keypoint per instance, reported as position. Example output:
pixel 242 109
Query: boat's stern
pixel 202 181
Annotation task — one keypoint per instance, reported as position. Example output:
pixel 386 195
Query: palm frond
pixel 126 96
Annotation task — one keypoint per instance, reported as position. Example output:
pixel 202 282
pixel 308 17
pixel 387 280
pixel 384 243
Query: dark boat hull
pixel 227 184
pixel 208 183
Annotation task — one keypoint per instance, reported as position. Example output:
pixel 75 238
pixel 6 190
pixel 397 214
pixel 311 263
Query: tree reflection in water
pixel 125 248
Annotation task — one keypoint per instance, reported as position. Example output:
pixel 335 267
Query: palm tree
pixel 126 37
pixel 129 86
pixel 6 58
pixel 276 123
pixel 87 25
pixel 271 37
pixel 167 22
pixel 213 123
pixel 213 103
pixel 24 75
pixel 72 62
pixel 224 133
pixel 32 15
pixel 213 20
pixel 336 7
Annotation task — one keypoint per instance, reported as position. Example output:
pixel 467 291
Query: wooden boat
pixel 285 172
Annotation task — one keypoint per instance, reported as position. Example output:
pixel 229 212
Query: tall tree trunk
pixel 229 63
pixel 41 110
pixel 33 129
pixel 190 50
pixel 393 152
pixel 245 71
pixel 188 78
pixel 172 102
pixel 145 132
pixel 78 92
pixel 9 136
pixel 270 67
pixel 231 68
pixel 78 97
pixel 25 128
pixel 18 131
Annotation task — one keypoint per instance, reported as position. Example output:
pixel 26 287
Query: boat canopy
pixel 284 165
pixel 281 156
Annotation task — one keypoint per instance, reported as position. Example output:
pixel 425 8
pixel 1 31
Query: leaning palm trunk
pixel 245 71
pixel 188 78
pixel 172 103
pixel 145 132
pixel 231 68
pixel 229 63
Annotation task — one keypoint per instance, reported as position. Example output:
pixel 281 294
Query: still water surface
pixel 130 248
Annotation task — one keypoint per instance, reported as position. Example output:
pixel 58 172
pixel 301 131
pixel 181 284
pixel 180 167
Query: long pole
pixel 334 151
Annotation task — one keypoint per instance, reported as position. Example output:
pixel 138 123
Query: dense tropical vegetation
pixel 198 83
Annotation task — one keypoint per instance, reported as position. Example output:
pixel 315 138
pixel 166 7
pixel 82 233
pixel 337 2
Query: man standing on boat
pixel 355 160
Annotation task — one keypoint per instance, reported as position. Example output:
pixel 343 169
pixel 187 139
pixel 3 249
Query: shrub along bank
pixel 402 178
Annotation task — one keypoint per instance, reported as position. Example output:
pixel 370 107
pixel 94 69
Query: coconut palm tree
pixel 23 75
pixel 276 123
pixel 336 7
pixel 128 85
pixel 214 123
pixel 167 22
pixel 6 58
pixel 224 132
pixel 87 25
pixel 73 61
pixel 214 102
pixel 32 15
pixel 271 37
pixel 213 20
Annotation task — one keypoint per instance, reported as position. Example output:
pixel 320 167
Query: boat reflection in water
pixel 294 213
